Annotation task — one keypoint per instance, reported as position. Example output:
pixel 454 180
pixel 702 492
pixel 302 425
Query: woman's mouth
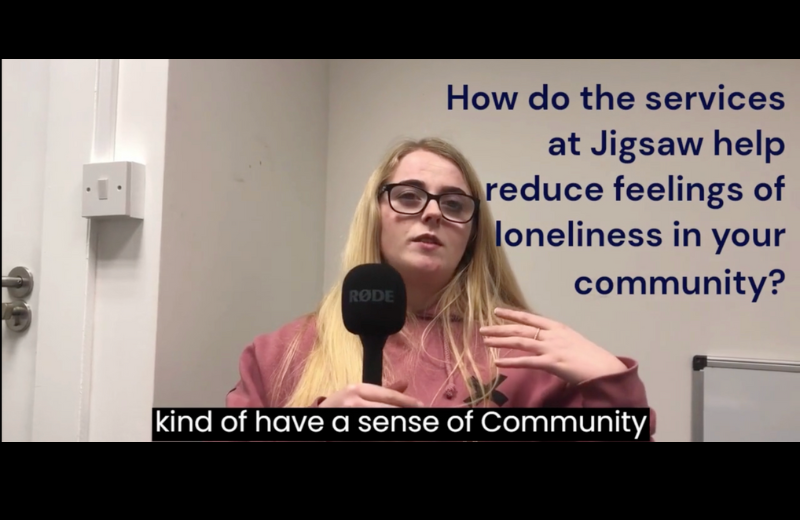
pixel 428 241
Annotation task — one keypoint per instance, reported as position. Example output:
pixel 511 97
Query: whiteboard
pixel 745 400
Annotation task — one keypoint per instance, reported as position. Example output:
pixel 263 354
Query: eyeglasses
pixel 411 200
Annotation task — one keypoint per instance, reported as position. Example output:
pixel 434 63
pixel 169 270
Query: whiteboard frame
pixel 700 363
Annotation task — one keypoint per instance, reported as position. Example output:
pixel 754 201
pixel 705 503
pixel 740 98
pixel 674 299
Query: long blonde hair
pixel 483 281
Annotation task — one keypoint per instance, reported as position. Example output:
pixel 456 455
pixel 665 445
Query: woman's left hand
pixel 551 347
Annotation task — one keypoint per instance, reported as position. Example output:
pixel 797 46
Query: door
pixel 49 131
pixel 25 97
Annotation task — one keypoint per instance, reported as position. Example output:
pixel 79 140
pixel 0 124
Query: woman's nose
pixel 432 210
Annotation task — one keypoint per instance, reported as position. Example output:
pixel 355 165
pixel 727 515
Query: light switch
pixel 113 190
pixel 102 189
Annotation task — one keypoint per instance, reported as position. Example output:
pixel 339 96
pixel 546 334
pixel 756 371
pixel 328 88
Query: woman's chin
pixel 425 266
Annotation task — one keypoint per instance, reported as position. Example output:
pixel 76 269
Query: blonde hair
pixel 483 281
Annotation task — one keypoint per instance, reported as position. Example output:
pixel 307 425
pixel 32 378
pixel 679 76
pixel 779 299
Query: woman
pixel 470 339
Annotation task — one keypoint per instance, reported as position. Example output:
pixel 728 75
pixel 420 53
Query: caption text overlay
pixel 370 424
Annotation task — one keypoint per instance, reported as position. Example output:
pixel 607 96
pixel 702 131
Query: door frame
pixel 81 128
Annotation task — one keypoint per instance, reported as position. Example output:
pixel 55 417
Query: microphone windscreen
pixel 374 300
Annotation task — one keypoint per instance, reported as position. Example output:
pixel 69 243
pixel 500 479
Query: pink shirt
pixel 427 377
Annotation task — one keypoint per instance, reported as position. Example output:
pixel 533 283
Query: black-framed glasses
pixel 412 200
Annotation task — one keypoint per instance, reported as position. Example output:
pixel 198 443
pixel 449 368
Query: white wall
pixel 243 217
pixel 375 102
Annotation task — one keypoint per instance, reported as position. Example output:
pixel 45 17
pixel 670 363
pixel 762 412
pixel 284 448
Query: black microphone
pixel 373 308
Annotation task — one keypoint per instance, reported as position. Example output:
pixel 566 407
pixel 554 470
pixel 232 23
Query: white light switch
pixel 102 189
pixel 113 190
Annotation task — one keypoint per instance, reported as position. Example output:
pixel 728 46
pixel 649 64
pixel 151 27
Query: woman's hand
pixel 550 346
pixel 371 396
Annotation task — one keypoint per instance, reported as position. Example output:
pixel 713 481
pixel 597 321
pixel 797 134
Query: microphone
pixel 373 308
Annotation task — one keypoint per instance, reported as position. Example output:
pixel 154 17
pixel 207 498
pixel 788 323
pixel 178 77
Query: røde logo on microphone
pixel 375 295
